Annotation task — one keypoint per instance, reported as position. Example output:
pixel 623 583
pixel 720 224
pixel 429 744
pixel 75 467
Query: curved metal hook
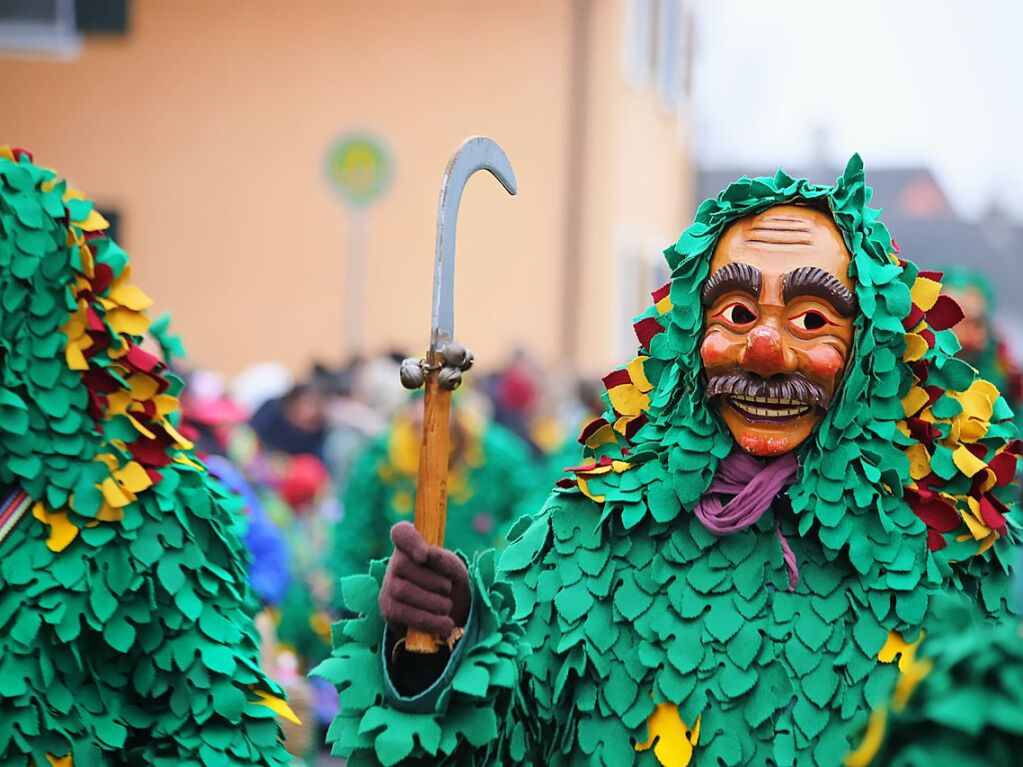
pixel 475 153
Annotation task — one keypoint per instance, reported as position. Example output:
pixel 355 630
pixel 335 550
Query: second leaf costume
pixel 621 630
pixel 126 632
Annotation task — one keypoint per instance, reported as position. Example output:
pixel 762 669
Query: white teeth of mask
pixel 770 406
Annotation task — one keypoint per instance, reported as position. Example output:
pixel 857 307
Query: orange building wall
pixel 208 128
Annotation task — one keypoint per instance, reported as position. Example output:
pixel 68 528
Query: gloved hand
pixel 426 588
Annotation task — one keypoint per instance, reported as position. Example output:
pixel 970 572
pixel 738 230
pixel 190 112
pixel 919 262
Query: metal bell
pixel 454 355
pixel 411 373
pixel 450 378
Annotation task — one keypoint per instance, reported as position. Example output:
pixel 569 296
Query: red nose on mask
pixel 764 353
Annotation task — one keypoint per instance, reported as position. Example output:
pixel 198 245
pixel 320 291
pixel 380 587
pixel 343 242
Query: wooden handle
pixel 432 489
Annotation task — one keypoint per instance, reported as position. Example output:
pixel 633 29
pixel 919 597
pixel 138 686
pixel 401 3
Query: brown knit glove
pixel 426 588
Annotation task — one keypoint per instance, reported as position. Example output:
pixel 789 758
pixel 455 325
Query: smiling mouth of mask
pixel 776 399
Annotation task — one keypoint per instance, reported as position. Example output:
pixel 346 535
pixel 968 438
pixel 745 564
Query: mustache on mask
pixel 788 387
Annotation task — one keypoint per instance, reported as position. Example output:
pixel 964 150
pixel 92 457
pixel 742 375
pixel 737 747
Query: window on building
pixel 38 26
pixel 101 17
pixel 640 45
pixel 56 27
pixel 657 47
pixel 669 60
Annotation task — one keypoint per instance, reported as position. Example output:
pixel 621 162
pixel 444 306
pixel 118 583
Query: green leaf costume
pixel 620 631
pixel 125 628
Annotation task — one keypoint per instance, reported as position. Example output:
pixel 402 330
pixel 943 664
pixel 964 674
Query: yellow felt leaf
pixel 872 740
pixel 62 531
pixel 118 403
pixel 622 424
pixel 988 542
pixel 278 706
pixel 585 489
pixel 895 645
pixel 915 399
pixel 108 513
pixel 601 436
pixel 672 740
pixel 128 322
pixel 925 293
pixel 88 264
pixel 113 494
pixel 664 305
pixel 143 387
pixel 61 761
pixel 73 194
pixel 107 459
pixel 916 347
pixel 978 403
pixel 978 529
pixel 911 670
pixel 919 461
pixel 133 477
pixel 184 460
pixel 967 462
pixel 627 399
pixel 637 373
pixel 165 404
pixel 990 479
pixel 75 359
pixel 74 328
pixel 6 153
pixel 94 222
pixel 130 296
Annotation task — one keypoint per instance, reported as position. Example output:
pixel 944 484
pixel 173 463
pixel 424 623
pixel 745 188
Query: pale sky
pixel 900 81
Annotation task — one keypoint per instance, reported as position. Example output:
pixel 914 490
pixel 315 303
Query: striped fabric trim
pixel 13 509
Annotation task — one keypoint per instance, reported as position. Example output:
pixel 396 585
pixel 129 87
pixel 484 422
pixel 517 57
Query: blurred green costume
pixel 966 711
pixel 126 635
pixel 994 361
pixel 487 487
pixel 619 631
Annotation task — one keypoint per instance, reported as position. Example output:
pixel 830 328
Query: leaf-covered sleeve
pixel 485 709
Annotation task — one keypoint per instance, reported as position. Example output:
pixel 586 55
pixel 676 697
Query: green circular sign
pixel 359 169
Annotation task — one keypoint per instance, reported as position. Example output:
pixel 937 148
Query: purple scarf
pixel 741 491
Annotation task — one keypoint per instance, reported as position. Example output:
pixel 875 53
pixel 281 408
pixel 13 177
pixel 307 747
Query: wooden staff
pixel 441 371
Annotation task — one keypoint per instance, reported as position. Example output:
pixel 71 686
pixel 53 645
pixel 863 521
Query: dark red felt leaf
pixel 935 541
pixel 104 276
pixel 914 317
pixel 635 425
pixel 944 314
pixel 616 378
pixel 990 514
pixel 646 329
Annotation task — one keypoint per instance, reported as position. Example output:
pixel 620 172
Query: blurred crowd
pixel 327 464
